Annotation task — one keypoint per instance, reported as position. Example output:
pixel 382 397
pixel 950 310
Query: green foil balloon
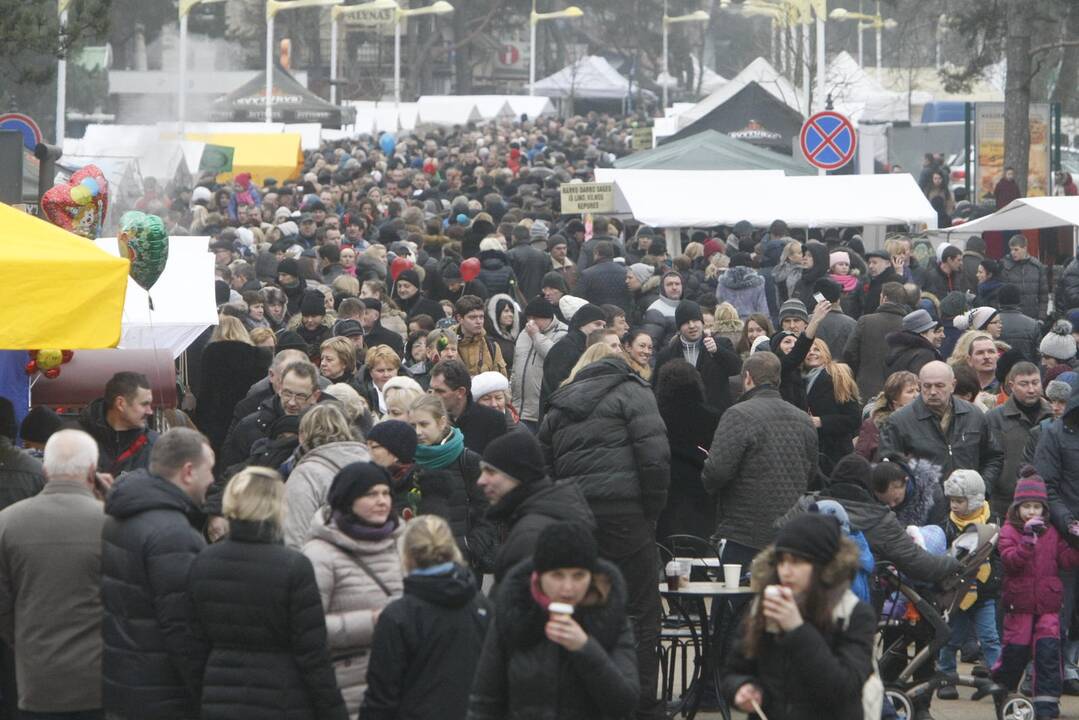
pixel 145 242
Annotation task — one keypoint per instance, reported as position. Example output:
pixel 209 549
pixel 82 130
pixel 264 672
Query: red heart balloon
pixel 67 355
pixel 52 373
pixel 470 269
pixel 79 205
pixel 398 266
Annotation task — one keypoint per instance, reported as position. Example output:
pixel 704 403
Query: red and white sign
pixel 828 140
pixel 509 55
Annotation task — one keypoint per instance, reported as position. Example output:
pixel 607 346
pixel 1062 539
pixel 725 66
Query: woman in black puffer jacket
pixel 539 664
pixel 259 616
pixel 814 267
pixel 495 271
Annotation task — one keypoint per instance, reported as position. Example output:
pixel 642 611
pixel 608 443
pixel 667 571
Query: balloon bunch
pixel 79 205
pixel 48 362
pixel 145 242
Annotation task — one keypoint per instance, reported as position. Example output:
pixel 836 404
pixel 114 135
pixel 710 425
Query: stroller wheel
pixel 904 708
pixel 1015 707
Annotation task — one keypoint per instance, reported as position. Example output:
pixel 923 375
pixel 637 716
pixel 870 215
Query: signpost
pixel 31 133
pixel 828 140
pixel 587 198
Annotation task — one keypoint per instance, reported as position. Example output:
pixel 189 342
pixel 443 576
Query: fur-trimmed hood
pixel 740 278
pixel 923 487
pixel 521 620
pixel 836 575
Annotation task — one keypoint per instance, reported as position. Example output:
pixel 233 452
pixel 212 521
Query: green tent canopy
pixel 713 150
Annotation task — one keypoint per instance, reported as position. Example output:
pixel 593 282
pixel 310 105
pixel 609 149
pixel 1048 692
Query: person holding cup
pixel 805 649
pixel 560 644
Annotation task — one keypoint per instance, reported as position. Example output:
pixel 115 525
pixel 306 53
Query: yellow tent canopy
pixel 59 290
pixel 276 155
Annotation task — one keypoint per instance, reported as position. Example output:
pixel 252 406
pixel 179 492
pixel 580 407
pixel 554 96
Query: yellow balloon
pixel 81 194
pixel 48 359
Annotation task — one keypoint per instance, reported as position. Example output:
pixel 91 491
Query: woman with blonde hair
pixel 258 613
pixel 594 353
pixel 727 323
pixel 832 403
pixel 263 337
pixel 400 392
pixel 788 272
pixel 230 328
pixel 328 442
pixel 900 389
pixel 353 548
pixel 427 643
pixel 337 361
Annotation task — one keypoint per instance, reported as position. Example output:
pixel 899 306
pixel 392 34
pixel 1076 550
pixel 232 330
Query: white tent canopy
pixel 702 198
pixel 533 106
pixel 590 77
pixel 859 96
pixel 1025 214
pixel 454 110
pixel 184 300
pixel 759 71
pixel 711 81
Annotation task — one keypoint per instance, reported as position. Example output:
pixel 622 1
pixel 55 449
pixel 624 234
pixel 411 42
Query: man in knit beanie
pixel 522 497
pixel 713 357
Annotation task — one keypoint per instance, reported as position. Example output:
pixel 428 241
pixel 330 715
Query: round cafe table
pixel 707 662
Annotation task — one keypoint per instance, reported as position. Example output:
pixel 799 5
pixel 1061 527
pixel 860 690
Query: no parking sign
pixel 828 140
pixel 31 133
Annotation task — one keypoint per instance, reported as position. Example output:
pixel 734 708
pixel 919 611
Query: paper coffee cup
pixel 557 608
pixel 731 575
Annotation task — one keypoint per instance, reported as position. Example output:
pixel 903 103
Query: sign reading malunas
pixel 587 197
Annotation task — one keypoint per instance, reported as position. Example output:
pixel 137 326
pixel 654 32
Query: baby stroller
pixel 920 618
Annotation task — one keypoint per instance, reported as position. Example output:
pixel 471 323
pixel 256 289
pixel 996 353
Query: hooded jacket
pixel 805 673
pixel 426 648
pixel 151 659
pixel 603 431
pixel 506 341
pixel 523 675
pixel 258 610
pixel 525 511
pixel 309 482
pixel 743 288
pixel 418 304
pixel 1032 583
pixel 118 450
pixel 526 378
pixel 350 595
pixel 1057 460
pixel 804 290
pixel 495 272
pixel 908 351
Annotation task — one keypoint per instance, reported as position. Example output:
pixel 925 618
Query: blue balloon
pixel 387 142
pixel 91 185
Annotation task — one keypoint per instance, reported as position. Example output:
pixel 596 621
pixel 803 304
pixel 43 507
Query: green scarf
pixel 435 457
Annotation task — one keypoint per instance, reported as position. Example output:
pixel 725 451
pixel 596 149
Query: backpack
pixel 873 688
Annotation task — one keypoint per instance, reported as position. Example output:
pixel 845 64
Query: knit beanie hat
pixel 851 469
pixel 793 308
pixel 831 507
pixel 967 484
pixel 313 303
pixel 1056 391
pixel 761 342
pixel 711 247
pixel 1059 343
pixel 976 319
pixel 828 288
pixel 289 266
pixel 538 231
pixel 41 422
pixel 538 307
pixel 397 437
pixel 642 271
pixel 687 310
pixel 353 481
pixel 565 545
pixel 554 280
pixel 488 382
pixel 837 257
pixel 409 276
pixel 953 304
pixel 1030 488
pixel 585 314
pixel 516 454
pixel 776 339
pixel 554 241
pixel 290 340
pixel 285 425
pixel 812 536
pixel 657 247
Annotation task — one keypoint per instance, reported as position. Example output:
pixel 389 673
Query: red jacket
pixel 1031 580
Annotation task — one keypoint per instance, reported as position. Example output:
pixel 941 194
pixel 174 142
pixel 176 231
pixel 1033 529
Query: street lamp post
pixel 439 8
pixel 272 8
pixel 186 6
pixel 61 79
pixel 339 11
pixel 875 22
pixel 698 16
pixel 534 19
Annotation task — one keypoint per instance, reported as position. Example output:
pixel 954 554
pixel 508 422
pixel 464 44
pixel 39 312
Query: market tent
pixel 711 81
pixel 276 155
pixel 859 96
pixel 59 291
pixel 753 113
pixel 1025 214
pixel 699 198
pixel 759 72
pixel 533 106
pixel 711 150
pixel 310 133
pixel 184 300
pixel 161 157
pixel 290 102
pixel 590 77
pixel 450 110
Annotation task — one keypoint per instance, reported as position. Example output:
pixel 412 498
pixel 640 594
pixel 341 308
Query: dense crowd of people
pixel 424 374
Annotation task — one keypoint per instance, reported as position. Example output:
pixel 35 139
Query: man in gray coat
pixel 1018 329
pixel 50 582
pixel 943 429
pixel 1029 275
pixel 867 347
pixel 1011 423
pixel 762 458
pixel 539 335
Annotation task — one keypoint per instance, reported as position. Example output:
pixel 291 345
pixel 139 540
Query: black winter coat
pixel 228 369
pixel 426 648
pixel 792 386
pixel 691 425
pixel 524 676
pixel 480 425
pixel 604 432
pixel 559 362
pixel 452 494
pixel 866 348
pixel 241 439
pixel 260 618
pixel 418 304
pixel 804 289
pixel 496 274
pixel 839 422
pixel 716 368
pixel 530 265
pixel 21 476
pixel 605 283
pixel 151 659
pixel 118 451
pixel 529 508
pixel 1066 296
pixel 872 290
pixel 908 351
pixel 1021 332
pixel 379 335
